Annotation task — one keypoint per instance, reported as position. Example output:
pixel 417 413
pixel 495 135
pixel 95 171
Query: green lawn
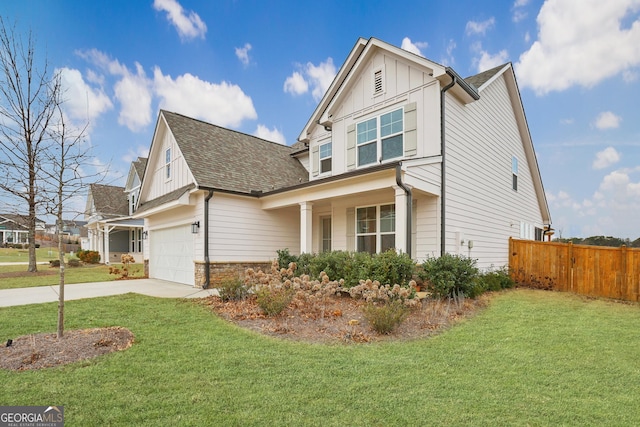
pixel 49 276
pixel 532 358
pixel 22 255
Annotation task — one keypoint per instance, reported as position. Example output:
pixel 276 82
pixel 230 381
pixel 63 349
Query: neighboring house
pixel 112 231
pixel 72 229
pixel 14 228
pixel 400 153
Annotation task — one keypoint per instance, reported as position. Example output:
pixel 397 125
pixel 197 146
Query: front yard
pixel 16 276
pixel 530 358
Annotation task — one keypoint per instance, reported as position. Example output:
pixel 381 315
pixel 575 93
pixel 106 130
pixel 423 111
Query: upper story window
pixel 380 138
pixel 325 157
pixel 514 172
pixel 167 163
pixel 132 203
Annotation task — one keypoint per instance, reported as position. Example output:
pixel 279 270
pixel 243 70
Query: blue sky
pixel 260 68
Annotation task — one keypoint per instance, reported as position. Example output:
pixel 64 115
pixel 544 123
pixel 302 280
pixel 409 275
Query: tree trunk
pixel 61 286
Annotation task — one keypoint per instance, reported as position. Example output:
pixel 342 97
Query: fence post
pixel 624 283
pixel 570 266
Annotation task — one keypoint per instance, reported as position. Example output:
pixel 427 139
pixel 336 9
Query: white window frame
pixel 378 233
pixel 325 157
pixel 514 173
pixel 167 163
pixel 378 140
pixel 326 238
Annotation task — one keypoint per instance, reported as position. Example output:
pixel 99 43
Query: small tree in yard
pixel 28 98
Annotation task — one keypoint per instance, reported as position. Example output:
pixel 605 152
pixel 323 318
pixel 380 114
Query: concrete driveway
pixel 151 287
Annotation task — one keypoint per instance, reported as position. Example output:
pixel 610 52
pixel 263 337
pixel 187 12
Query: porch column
pixel 106 254
pixel 306 223
pixel 401 220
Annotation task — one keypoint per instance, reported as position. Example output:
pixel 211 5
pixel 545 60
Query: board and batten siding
pixel 180 173
pixel 481 139
pixel 241 231
pixel 405 85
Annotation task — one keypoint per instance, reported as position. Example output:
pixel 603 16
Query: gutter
pixel 443 192
pixel 407 192
pixel 207 267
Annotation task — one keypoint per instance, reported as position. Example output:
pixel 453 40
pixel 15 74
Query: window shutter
pixel 351 229
pixel 351 146
pixel 315 160
pixel 410 129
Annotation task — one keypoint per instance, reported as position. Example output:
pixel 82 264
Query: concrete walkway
pixel 151 287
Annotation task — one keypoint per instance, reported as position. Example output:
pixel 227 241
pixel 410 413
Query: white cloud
pixel 518 13
pixel 449 60
pixel 605 158
pixel 81 101
pixel 188 24
pixel 485 60
pixel 243 53
pixel 317 77
pixel 133 91
pixel 295 84
pixel 580 43
pixel 270 134
pixel 607 120
pixel 475 27
pixel 413 47
pixel 131 155
pixel 629 76
pixel 224 104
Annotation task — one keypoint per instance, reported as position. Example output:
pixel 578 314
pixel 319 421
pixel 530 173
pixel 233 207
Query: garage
pixel 171 254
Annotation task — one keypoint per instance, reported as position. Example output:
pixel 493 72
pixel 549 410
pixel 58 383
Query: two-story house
pixel 400 153
pixel 112 231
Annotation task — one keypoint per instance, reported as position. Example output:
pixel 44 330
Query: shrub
pixel 386 317
pixel 391 268
pixel 450 275
pixel 272 300
pixel 54 263
pixel 285 258
pixel 233 290
pixel 496 280
pixel 89 257
pixel 73 262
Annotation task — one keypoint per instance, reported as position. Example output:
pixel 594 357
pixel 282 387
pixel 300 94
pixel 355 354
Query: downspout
pixel 443 175
pixel 407 192
pixel 207 267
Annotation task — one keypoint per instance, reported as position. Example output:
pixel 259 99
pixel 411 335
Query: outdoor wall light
pixel 195 227
pixel 145 234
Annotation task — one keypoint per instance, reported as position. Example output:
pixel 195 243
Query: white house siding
pixel 404 84
pixel 241 231
pixel 426 238
pixel 481 205
pixel 155 173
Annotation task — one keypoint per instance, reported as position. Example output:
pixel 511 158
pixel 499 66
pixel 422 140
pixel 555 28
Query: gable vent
pixel 377 81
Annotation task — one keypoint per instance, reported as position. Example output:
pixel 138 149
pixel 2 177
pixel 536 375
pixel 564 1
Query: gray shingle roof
pixel 139 166
pixel 165 198
pixel 109 200
pixel 228 160
pixel 481 78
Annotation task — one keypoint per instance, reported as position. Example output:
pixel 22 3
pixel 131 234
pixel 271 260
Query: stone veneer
pixel 220 271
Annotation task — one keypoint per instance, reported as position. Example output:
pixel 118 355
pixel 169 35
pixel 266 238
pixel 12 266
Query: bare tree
pixel 28 99
pixel 65 180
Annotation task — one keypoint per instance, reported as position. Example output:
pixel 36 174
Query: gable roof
pixel 481 78
pixel 22 221
pixel 360 53
pixel 139 166
pixel 109 200
pixel 227 160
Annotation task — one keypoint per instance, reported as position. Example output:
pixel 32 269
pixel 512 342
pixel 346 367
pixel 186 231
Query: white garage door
pixel 171 254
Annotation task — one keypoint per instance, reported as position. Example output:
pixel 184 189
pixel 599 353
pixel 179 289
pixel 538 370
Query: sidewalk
pixel 150 287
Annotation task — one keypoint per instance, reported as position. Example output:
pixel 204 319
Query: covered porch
pixel 384 207
pixel 114 237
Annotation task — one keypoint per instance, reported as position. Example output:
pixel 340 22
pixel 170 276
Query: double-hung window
pixel 376 228
pixel 325 157
pixel 380 138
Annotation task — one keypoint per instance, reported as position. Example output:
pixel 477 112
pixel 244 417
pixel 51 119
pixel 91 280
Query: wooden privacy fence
pixel 588 270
